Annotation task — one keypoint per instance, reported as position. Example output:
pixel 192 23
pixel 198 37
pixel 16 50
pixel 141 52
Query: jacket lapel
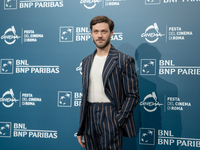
pixel 110 64
pixel 88 65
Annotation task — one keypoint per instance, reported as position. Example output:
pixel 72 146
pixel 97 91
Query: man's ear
pixel 111 34
pixel 91 33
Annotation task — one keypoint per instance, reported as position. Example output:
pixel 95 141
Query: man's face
pixel 101 35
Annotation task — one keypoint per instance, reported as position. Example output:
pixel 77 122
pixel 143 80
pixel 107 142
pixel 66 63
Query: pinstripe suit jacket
pixel 121 87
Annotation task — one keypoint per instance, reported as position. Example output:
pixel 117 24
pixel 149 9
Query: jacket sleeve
pixel 130 88
pixel 81 124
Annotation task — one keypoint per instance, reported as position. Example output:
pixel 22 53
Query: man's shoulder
pixel 87 57
pixel 114 50
pixel 123 55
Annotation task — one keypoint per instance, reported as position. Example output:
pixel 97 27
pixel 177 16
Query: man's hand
pixel 81 142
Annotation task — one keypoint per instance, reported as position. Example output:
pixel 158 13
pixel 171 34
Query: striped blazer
pixel 121 87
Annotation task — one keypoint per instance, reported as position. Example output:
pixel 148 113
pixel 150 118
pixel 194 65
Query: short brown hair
pixel 100 19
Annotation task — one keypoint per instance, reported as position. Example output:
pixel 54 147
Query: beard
pixel 103 45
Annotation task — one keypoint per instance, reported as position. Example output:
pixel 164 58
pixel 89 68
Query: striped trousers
pixel 102 131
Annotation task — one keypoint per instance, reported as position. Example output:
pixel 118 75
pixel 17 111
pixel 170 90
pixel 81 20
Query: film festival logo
pixel 64 99
pixel 152 33
pixel 10 4
pixel 147 136
pixel 66 34
pixel 150 102
pixel 90 4
pixel 8 99
pixel 10 36
pixel 79 68
pixel 152 2
pixel 148 67
pixel 7 66
pixel 5 129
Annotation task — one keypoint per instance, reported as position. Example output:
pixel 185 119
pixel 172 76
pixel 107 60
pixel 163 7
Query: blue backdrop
pixel 41 48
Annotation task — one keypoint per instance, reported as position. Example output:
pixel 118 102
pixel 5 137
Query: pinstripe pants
pixel 102 131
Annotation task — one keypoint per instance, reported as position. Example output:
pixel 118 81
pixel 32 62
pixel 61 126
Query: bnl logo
pixel 64 99
pixel 147 136
pixel 148 67
pixel 66 34
pixel 152 2
pixel 10 4
pixel 7 66
pixel 5 129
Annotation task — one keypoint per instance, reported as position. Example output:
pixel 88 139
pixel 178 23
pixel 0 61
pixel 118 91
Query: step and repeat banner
pixel 41 48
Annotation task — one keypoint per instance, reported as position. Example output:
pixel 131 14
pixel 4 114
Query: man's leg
pixel 112 136
pixel 102 131
pixel 92 131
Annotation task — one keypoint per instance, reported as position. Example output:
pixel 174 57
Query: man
pixel 110 92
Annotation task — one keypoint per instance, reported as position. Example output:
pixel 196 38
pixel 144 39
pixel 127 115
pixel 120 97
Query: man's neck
pixel 104 51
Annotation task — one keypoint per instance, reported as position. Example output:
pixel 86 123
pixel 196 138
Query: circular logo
pixel 8 98
pixel 10 36
pixel 150 102
pixel 90 3
pixel 79 68
pixel 152 33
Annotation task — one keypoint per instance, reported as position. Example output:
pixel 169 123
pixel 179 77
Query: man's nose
pixel 100 34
